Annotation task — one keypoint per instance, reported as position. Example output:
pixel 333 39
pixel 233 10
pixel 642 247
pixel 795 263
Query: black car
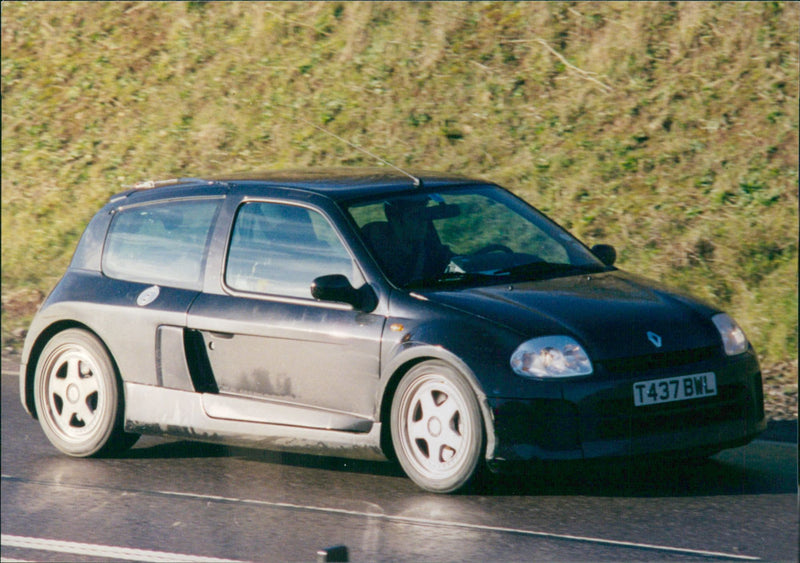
pixel 367 313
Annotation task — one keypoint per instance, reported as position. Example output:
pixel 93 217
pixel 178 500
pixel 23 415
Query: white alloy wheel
pixel 77 396
pixel 437 429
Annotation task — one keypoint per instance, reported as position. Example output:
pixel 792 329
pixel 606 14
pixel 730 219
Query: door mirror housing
pixel 606 253
pixel 337 288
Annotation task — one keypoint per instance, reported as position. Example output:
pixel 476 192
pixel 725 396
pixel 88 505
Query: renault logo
pixel 654 338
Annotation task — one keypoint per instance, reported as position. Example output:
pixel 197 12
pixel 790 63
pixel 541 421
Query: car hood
pixel 612 314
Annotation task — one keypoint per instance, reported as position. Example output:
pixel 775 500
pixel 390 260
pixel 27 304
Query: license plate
pixel 669 389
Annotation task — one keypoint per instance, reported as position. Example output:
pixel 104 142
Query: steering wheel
pixel 494 247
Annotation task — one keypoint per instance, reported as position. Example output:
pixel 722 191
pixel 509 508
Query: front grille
pixel 660 360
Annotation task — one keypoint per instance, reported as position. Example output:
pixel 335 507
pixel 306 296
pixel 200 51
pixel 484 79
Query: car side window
pixel 160 243
pixel 280 249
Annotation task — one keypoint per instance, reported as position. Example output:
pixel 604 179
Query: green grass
pixel 667 129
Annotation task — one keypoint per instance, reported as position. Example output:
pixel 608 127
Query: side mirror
pixel 337 288
pixel 606 253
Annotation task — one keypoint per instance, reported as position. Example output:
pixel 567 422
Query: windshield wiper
pixel 546 269
pixel 450 278
pixel 529 271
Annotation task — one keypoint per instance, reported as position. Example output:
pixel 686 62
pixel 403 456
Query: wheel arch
pixel 36 351
pixel 414 356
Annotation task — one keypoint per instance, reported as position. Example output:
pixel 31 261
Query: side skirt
pixel 171 412
pixel 251 409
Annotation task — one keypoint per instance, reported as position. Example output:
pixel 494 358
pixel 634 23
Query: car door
pixel 277 355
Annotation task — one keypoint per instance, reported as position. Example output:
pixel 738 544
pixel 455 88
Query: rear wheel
pixel 437 428
pixel 78 398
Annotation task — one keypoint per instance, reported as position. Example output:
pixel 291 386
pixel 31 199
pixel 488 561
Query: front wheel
pixel 437 428
pixel 78 397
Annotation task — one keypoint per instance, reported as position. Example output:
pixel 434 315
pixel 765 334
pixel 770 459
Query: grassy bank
pixel 667 129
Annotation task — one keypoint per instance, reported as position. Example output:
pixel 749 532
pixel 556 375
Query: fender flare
pixel 416 353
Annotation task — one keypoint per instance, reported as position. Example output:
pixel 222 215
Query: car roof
pixel 336 183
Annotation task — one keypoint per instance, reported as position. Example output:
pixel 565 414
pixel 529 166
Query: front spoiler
pixel 560 431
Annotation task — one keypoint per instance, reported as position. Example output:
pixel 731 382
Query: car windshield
pixel 465 237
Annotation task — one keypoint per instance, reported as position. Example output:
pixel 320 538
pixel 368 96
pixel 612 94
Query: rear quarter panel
pixel 107 308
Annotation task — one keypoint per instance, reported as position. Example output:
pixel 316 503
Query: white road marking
pixel 465 525
pixel 406 520
pixel 104 551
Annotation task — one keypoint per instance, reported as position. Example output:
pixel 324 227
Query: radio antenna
pixel 417 181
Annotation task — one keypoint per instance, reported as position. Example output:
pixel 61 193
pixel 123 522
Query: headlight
pixel 551 356
pixel 732 335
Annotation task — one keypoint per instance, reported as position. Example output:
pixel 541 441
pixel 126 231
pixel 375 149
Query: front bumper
pixel 596 417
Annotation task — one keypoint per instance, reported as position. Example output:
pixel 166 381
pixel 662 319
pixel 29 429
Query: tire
pixel 437 428
pixel 78 398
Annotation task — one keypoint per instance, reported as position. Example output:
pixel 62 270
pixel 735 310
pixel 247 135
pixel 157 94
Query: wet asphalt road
pixel 170 500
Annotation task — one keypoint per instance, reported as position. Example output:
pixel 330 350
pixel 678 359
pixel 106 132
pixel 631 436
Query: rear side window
pixel 279 249
pixel 160 243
